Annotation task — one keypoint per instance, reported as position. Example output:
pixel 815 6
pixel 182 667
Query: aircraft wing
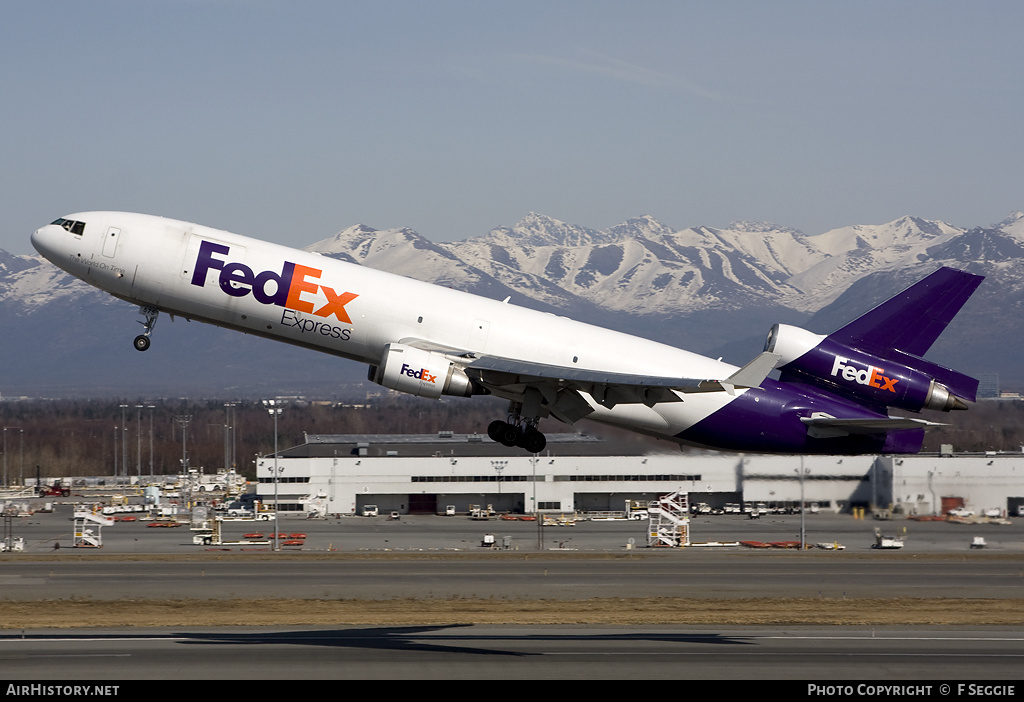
pixel 749 376
pixel 822 426
pixel 561 385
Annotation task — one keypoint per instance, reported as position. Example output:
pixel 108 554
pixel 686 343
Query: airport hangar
pixel 424 474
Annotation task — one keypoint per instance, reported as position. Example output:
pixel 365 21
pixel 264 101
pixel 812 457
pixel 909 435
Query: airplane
pixel 831 394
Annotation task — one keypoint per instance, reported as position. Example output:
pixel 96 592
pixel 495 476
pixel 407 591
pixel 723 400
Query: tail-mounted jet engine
pixel 911 383
pixel 418 372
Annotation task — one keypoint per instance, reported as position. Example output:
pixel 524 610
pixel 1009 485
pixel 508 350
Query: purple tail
pixel 905 326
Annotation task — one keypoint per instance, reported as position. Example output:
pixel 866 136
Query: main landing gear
pixel 516 434
pixel 142 340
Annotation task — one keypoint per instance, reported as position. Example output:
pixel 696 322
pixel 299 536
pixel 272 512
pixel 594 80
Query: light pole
pixel 498 467
pixel 124 441
pixel 183 420
pixel 150 407
pixel 229 430
pixel 803 533
pixel 22 454
pixel 536 511
pixel 138 438
pixel 275 408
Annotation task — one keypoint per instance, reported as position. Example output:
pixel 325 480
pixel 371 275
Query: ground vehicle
pixel 55 490
pixel 886 541
pixel 370 511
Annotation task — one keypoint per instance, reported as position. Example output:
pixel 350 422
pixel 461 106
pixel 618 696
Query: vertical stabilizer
pixel 912 320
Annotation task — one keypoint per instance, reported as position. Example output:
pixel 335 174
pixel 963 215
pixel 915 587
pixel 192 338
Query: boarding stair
pixel 85 537
pixel 669 520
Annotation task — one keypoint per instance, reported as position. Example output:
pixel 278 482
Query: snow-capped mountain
pixel 28 283
pixel 639 267
pixel 405 252
pixel 645 267
pixel 850 253
pixel 715 291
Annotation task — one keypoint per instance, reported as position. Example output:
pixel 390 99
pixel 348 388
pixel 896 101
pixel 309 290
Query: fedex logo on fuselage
pixel 420 374
pixel 871 375
pixel 285 289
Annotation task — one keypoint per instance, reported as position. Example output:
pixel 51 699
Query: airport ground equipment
pixel 207 530
pixel 669 521
pixel 886 542
pixel 85 536
pixel 10 542
pixel 14 544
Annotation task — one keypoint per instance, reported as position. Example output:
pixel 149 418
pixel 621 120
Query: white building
pixel 339 474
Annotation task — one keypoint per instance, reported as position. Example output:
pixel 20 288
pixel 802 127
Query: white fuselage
pixel 352 311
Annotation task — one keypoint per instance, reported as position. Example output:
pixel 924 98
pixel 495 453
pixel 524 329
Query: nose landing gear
pixel 142 340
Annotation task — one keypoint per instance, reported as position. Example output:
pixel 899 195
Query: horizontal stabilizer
pixel 823 426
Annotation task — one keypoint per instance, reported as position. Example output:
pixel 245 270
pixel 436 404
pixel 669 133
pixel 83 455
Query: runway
pixel 689 574
pixel 134 568
pixel 517 653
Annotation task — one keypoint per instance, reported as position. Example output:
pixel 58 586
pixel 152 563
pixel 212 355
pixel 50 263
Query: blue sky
pixel 289 120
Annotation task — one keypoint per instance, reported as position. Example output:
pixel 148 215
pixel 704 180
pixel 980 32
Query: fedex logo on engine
pixel 871 375
pixel 285 289
pixel 420 374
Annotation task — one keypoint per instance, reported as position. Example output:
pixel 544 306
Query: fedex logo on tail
pixel 871 375
pixel 285 289
pixel 420 374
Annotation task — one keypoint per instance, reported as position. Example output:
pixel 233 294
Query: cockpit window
pixel 76 228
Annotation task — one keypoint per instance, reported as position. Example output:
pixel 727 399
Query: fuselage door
pixel 110 241
pixel 478 332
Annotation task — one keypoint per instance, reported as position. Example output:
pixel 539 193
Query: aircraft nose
pixel 45 240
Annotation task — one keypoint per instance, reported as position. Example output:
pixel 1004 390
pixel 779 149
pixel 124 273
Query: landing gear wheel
pixel 494 430
pixel 141 342
pixel 533 440
pixel 510 435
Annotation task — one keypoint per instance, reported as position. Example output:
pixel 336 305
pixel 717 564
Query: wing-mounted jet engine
pixel 420 372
